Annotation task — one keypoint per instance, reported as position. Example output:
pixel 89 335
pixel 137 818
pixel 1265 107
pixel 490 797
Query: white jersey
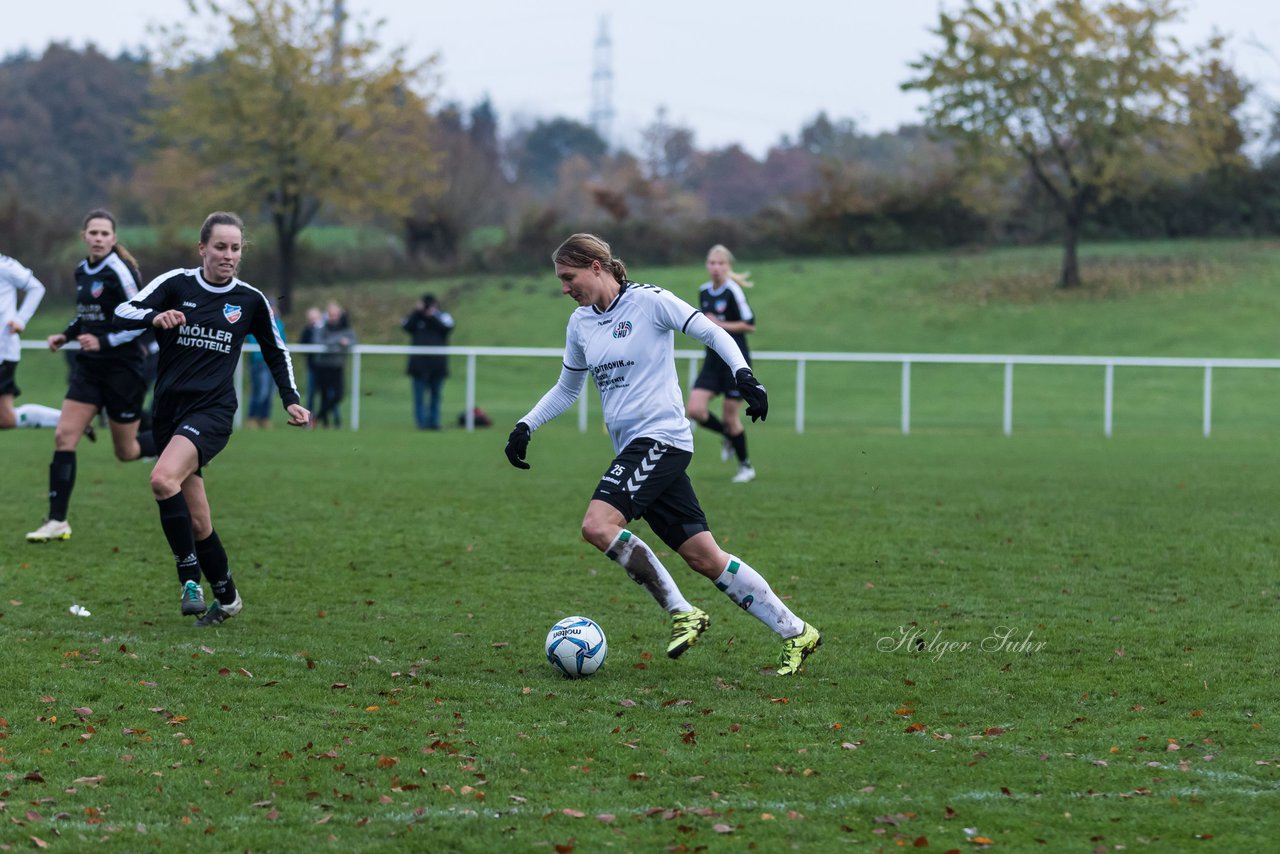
pixel 629 350
pixel 14 278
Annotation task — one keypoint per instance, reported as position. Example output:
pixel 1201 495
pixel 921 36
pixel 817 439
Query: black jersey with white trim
pixel 198 359
pixel 100 288
pixel 727 303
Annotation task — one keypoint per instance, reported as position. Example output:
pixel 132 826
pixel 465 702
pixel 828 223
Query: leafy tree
pixel 293 117
pixel 1091 96
pixel 544 147
pixel 468 188
pixel 668 149
pixel 66 127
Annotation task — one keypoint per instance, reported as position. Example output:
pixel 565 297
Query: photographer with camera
pixel 428 326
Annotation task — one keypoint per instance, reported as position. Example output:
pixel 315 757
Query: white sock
pixel 35 415
pixel 749 591
pixel 644 568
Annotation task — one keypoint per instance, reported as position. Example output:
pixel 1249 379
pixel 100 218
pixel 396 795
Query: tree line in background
pixel 1059 120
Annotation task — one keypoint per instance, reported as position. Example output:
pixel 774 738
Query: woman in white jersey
pixel 623 334
pixel 15 314
pixel 724 303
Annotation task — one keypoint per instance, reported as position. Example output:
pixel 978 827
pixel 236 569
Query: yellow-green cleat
pixel 795 650
pixel 52 529
pixel 686 627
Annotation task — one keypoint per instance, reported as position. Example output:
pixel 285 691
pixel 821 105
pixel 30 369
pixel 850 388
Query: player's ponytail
pixel 581 250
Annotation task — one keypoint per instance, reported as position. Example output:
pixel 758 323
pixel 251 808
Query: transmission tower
pixel 602 84
pixel 335 50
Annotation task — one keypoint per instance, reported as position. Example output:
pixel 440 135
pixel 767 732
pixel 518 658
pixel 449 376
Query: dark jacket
pixel 428 330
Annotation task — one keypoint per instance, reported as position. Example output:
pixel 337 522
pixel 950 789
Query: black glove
pixel 518 445
pixel 753 393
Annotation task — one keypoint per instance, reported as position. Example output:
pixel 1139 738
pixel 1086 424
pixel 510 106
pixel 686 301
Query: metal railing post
pixel 1208 398
pixel 1008 398
pixel 906 397
pixel 469 416
pixel 1108 392
pixel 800 395
pixel 355 391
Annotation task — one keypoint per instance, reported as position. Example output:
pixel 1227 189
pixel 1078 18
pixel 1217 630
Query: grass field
pixel 1096 616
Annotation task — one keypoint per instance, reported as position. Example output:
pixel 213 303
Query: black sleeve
pixel 138 312
pixel 263 327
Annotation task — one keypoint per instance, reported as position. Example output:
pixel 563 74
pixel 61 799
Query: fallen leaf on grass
pixel 915 727
pixel 573 813
pixel 722 828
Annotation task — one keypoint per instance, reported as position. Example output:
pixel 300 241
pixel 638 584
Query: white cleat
pixel 52 529
pixel 745 474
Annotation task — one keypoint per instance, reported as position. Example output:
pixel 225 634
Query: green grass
pixel 384 689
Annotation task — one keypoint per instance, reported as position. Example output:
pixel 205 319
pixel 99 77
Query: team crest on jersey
pixel 96 288
pixel 231 312
pixel 622 330
pixel 721 305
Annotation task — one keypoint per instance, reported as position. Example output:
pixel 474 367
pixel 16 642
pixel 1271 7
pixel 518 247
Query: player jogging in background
pixel 14 317
pixel 623 334
pixel 724 303
pixel 107 373
pixel 202 317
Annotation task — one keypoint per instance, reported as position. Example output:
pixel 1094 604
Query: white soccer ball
pixel 576 646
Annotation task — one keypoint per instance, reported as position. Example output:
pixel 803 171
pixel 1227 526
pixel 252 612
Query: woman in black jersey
pixel 724 303
pixel 107 373
pixel 202 316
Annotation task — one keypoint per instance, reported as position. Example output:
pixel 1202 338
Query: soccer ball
pixel 576 646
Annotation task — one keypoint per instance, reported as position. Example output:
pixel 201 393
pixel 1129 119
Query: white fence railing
pixel 801 359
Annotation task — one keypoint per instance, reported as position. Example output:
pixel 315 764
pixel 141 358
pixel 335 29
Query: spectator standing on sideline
pixel 724 303
pixel 14 317
pixel 260 381
pixel 623 334
pixel 429 326
pixel 107 374
pixel 202 316
pixel 337 337
pixel 310 332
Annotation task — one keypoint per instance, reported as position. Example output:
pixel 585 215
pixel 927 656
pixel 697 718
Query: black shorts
pixel 648 481
pixel 717 378
pixel 208 431
pixel 8 385
pixel 111 384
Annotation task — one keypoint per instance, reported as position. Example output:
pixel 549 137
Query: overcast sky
pixel 735 71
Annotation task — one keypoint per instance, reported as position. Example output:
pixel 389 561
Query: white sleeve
pixel 566 390
pixel 35 292
pixel 717 339
pixel 558 399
